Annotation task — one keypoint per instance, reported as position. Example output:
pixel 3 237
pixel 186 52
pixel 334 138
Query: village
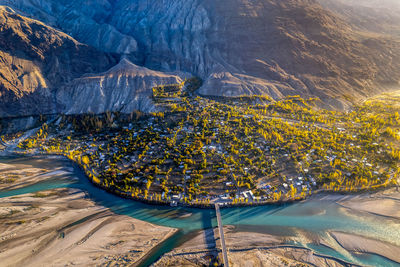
pixel 237 151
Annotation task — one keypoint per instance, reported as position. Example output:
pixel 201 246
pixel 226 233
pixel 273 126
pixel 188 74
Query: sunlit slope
pixel 36 59
pixel 336 52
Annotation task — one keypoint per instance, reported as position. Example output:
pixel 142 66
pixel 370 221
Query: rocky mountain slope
pixel 262 47
pixel 376 16
pixel 43 70
pixel 339 50
pixel 125 87
pixel 35 59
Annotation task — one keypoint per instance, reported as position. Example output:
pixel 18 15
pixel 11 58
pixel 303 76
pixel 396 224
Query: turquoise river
pixel 316 216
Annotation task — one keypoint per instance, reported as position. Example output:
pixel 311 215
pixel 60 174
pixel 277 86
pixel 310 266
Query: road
pixel 221 235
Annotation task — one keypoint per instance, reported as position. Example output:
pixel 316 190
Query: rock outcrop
pixel 125 87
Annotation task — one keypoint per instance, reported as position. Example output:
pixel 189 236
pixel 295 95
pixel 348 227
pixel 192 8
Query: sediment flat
pixel 17 174
pixel 385 203
pixel 355 243
pixel 61 227
pixel 244 249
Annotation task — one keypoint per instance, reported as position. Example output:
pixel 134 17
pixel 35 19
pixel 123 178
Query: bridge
pixel 221 236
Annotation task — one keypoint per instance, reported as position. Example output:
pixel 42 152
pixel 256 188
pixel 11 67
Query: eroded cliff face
pixel 125 87
pixel 270 47
pixel 242 47
pixel 85 20
pixel 45 71
pixel 35 59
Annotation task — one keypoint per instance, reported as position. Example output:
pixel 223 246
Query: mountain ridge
pixel 311 48
pixel 34 59
pixel 45 71
pixel 125 87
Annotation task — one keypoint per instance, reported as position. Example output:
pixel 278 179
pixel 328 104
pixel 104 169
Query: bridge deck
pixel 221 235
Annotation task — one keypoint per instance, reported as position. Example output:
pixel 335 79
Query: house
pixel 176 197
pixel 223 197
pixel 251 194
pixel 248 194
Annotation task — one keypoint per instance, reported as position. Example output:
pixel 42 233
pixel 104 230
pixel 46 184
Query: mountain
pixel 35 59
pixel 339 50
pixel 125 87
pixel 377 16
pixel 43 70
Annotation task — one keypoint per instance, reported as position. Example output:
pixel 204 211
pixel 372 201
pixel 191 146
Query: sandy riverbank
pixel 245 249
pixel 361 244
pixel 260 249
pixel 16 173
pixel 384 203
pixel 62 228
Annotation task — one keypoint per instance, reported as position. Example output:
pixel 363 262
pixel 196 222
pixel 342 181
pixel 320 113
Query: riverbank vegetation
pixel 243 150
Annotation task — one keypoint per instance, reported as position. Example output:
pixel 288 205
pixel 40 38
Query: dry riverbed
pixel 244 249
pixel 16 176
pixel 385 203
pixel 16 173
pixel 62 228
